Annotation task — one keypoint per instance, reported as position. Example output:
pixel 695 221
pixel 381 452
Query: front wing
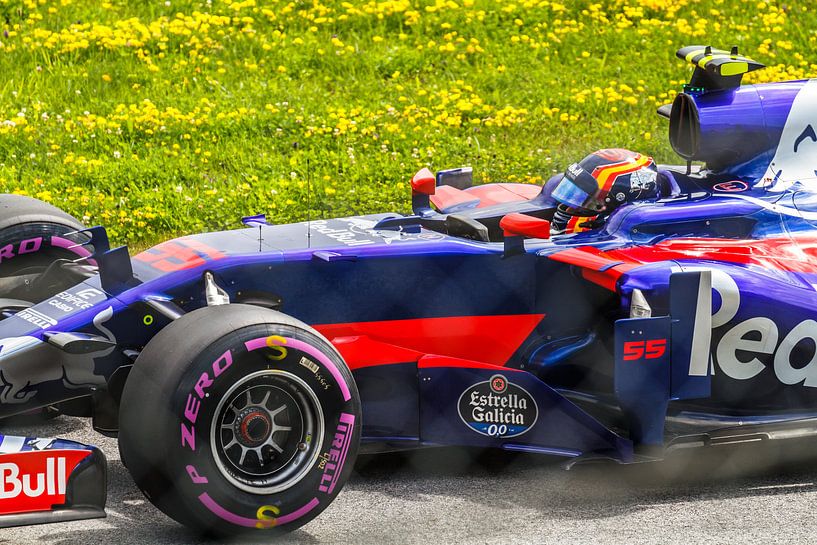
pixel 50 480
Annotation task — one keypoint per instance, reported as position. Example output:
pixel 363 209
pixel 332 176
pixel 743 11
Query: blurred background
pixel 157 118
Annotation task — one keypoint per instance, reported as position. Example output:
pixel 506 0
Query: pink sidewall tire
pixel 240 419
pixel 33 235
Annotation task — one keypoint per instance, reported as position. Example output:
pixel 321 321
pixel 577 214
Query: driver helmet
pixel 591 189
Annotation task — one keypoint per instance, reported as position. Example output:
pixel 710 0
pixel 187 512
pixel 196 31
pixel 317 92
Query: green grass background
pixel 156 118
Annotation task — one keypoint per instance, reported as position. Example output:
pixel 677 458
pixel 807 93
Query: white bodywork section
pixel 789 166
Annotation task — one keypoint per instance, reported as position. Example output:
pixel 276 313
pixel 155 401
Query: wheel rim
pixel 266 433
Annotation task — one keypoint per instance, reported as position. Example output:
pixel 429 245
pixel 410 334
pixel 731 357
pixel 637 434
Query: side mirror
pixel 423 185
pixel 458 178
pixel 517 227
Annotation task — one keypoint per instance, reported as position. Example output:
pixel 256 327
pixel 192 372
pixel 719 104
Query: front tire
pixel 237 418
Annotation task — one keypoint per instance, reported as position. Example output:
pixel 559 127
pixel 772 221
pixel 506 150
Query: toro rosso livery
pixel 622 309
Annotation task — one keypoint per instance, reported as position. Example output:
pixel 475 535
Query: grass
pixel 158 118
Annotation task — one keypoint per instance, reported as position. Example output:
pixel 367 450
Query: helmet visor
pixel 570 194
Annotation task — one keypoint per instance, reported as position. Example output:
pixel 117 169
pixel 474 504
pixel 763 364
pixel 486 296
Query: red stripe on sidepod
pixel 428 362
pixel 362 351
pixel 488 339
pixel 796 254
pixel 596 267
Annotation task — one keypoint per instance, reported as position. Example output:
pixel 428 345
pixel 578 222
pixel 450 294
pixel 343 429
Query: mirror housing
pixel 522 225
pixel 423 185
pixel 517 227
pixel 458 178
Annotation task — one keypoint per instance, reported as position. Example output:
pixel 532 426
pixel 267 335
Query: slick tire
pixel 239 419
pixel 33 235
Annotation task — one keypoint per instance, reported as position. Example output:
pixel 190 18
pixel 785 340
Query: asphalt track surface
pixel 747 494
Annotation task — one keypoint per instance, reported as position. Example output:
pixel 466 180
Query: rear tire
pixel 237 419
pixel 33 235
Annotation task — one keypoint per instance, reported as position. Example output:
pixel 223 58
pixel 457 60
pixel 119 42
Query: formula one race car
pixel 243 370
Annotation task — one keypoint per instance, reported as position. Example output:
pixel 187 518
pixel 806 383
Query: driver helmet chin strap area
pixel 564 222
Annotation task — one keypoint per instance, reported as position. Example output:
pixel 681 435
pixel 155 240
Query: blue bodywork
pixel 457 341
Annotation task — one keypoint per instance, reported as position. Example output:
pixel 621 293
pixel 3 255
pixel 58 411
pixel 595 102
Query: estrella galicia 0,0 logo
pixel 498 408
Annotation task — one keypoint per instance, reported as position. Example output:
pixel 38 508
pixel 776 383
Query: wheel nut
pixel 302 446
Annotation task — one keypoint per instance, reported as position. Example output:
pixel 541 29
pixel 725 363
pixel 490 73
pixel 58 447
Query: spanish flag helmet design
pixel 598 184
